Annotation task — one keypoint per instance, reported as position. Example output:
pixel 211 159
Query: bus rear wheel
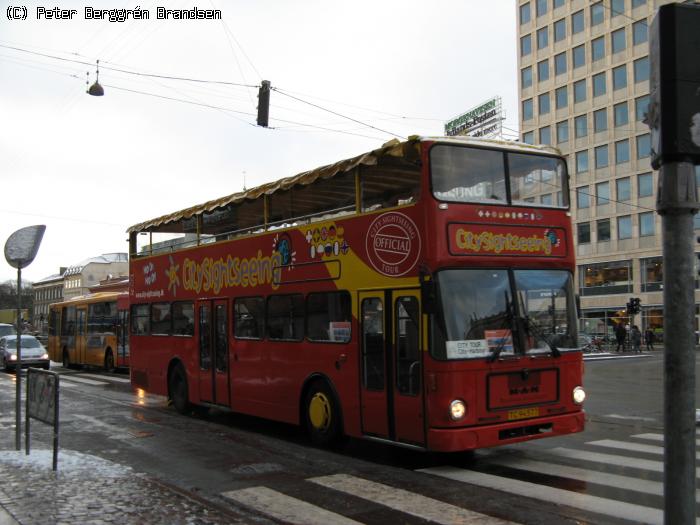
pixel 109 361
pixel 177 388
pixel 66 359
pixel 322 415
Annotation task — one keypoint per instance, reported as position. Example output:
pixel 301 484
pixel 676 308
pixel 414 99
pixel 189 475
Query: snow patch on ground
pixel 70 463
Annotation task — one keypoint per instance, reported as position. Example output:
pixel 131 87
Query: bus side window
pixel 249 318
pixel 373 344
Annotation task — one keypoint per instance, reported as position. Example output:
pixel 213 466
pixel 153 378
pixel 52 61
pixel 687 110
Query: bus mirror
pixel 427 294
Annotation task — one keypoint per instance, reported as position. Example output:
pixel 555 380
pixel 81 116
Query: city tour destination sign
pixel 481 121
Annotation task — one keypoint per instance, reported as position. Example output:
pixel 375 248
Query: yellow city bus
pixel 90 330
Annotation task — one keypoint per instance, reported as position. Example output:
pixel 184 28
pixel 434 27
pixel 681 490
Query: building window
pixel 602 194
pixel 641 105
pixel 583 230
pixel 543 70
pixel 617 39
pixel 600 120
pixel 581 161
pixel 580 126
pixel 620 114
pixel 525 45
pixel 578 56
pixel 624 227
pixel 562 132
pixel 645 185
pixel 619 76
pixel 643 146
pixel 638 3
pixel 622 151
pixel 542 38
pixel 561 97
pixel 541 7
pixel 597 13
pixel 529 137
pixel 606 278
pixel 546 199
pixel 646 224
pixel 560 30
pixel 617 7
pixel 577 22
pixel 526 77
pixel 603 227
pixel 525 13
pixel 641 69
pixel 527 109
pixel 583 198
pixel 580 91
pixel 652 274
pixel 601 157
pixel 598 48
pixel 622 189
pixel 640 32
pixel 557 3
pixel 560 64
pixel 599 85
pixel 546 135
pixel 543 104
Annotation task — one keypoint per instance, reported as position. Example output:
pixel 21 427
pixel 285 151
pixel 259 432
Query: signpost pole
pixel 18 365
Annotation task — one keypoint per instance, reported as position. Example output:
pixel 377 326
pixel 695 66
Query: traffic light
pixel 264 103
pixel 674 110
pixel 634 306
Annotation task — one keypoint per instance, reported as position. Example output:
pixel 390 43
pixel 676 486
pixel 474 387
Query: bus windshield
pixel 477 316
pixel 468 174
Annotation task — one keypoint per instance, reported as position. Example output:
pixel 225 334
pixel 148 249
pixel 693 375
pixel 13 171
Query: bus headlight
pixel 457 409
pixel 578 395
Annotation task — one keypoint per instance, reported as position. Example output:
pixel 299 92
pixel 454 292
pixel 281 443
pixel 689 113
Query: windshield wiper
pixel 534 328
pixel 496 352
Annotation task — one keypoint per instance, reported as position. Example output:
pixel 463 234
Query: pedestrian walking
pixel 636 337
pixel 620 335
pixel 649 339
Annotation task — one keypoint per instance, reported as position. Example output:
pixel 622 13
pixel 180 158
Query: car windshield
pixel 477 316
pixel 467 174
pixel 28 341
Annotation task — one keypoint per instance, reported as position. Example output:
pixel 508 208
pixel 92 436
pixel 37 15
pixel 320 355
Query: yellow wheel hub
pixel 320 411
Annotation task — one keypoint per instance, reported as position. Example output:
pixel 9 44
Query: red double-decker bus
pixel 419 294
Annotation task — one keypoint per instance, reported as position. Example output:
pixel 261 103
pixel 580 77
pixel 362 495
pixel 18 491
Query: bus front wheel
pixel 177 386
pixel 322 415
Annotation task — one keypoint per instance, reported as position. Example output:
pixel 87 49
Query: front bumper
pixel 454 440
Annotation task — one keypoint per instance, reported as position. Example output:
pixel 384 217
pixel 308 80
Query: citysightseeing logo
pixel 213 275
pixel 393 244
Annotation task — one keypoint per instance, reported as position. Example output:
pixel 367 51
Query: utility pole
pixel 674 112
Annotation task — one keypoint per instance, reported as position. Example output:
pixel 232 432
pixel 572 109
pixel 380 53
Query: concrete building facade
pixel 78 279
pixel 583 84
pixel 47 291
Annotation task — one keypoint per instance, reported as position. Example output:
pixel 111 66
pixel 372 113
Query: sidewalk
pixel 93 491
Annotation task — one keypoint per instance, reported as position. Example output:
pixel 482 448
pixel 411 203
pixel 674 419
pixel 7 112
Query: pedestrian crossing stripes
pixel 620 484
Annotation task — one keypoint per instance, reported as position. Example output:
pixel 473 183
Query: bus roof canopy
pixel 408 150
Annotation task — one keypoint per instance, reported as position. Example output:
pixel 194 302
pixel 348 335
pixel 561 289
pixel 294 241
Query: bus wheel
pixel 66 359
pixel 109 361
pixel 322 415
pixel 177 387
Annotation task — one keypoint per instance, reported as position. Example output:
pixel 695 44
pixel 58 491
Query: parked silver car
pixel 33 353
pixel 7 329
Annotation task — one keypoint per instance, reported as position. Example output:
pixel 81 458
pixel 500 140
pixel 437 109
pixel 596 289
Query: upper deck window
pixel 466 174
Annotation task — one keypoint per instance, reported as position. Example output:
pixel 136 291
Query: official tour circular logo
pixel 393 244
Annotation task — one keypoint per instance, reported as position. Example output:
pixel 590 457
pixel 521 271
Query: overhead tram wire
pixel 338 114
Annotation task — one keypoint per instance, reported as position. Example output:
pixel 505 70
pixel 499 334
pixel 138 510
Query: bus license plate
pixel 523 413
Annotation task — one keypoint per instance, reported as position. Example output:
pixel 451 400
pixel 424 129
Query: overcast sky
pixel 90 167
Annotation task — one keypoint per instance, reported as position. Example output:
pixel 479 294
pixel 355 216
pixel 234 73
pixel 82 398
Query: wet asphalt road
pixel 209 458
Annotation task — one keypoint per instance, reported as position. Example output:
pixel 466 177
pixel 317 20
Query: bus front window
pixel 477 317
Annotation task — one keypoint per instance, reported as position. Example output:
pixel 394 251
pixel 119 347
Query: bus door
pixel 213 352
pixel 81 336
pixel 391 366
